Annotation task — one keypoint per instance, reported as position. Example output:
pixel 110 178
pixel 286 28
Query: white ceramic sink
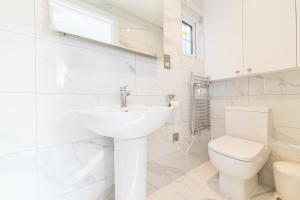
pixel 129 127
pixel 124 123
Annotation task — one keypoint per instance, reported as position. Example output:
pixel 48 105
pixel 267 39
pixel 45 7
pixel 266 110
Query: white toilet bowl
pixel 238 161
pixel 287 180
pixel 242 152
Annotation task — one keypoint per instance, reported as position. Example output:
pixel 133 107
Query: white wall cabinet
pixel 259 35
pixel 269 35
pixel 223 38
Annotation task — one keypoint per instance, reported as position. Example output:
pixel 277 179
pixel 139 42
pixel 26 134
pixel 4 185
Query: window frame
pixel 193 24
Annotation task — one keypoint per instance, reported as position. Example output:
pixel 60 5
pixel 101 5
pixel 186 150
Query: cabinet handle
pixel 249 70
pixel 237 71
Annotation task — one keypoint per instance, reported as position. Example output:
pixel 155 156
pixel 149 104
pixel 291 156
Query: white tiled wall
pixel 45 153
pixel 279 91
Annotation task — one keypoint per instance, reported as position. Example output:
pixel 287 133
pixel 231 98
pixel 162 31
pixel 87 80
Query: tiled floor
pixel 201 184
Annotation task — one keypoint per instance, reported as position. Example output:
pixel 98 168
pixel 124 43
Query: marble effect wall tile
pixel 18 176
pixel 286 135
pixel 166 169
pixel 76 170
pixel 160 143
pixel 217 105
pixel 151 78
pixel 285 111
pixel 218 89
pixel 19 16
pixel 67 69
pixel 256 85
pixel 237 87
pixel 17 127
pixel 283 83
pixel 217 127
pixel 109 194
pixel 17 55
pixel 229 88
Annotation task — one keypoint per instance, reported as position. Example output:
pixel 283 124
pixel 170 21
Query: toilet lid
pixel 236 148
pixel 288 168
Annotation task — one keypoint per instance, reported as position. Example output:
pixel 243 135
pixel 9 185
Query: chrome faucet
pixel 170 98
pixel 124 94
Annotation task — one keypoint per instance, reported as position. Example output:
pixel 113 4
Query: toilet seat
pixel 236 148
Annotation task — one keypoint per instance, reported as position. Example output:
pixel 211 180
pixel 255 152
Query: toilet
pixel 241 153
pixel 287 180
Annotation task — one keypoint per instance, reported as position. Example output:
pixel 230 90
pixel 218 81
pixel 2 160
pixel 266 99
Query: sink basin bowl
pixel 124 123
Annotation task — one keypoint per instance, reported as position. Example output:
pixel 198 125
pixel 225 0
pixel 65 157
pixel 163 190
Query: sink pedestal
pixel 130 156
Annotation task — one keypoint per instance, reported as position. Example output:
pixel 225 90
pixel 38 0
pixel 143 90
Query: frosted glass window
pixel 187 38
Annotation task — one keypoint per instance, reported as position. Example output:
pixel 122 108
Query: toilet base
pixel 237 189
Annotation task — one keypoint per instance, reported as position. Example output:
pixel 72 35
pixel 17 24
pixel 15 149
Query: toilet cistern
pixel 124 92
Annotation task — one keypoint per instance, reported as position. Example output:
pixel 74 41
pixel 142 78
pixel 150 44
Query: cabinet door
pixel 269 35
pixel 223 38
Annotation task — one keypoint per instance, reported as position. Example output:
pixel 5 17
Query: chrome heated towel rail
pixel 200 118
